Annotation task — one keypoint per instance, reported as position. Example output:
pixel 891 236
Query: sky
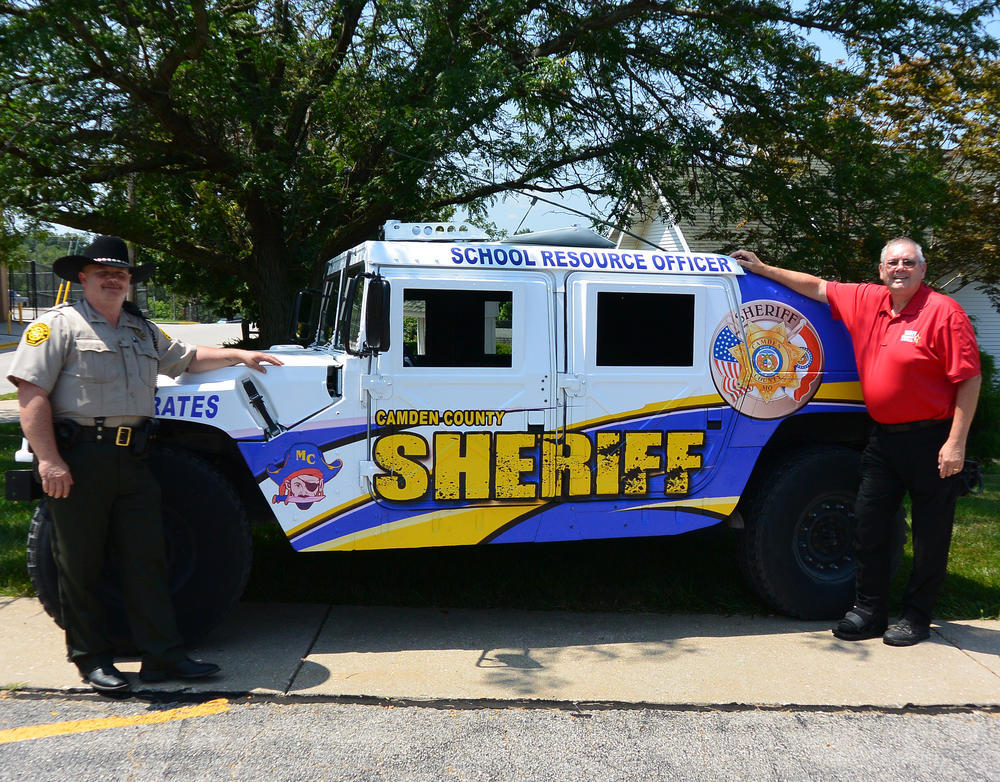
pixel 509 213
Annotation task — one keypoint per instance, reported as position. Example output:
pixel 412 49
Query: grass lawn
pixel 972 589
pixel 14 520
pixel 696 572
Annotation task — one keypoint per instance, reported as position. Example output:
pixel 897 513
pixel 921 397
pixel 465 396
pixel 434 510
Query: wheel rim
pixel 824 537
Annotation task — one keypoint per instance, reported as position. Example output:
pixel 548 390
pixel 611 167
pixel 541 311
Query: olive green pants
pixel 113 510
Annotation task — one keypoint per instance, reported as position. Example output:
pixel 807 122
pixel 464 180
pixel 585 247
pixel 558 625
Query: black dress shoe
pixel 906 633
pixel 105 678
pixel 184 669
pixel 860 624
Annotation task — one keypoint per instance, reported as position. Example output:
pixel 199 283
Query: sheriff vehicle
pixel 455 391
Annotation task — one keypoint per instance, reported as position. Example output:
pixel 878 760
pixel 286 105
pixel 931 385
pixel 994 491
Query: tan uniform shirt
pixel 92 369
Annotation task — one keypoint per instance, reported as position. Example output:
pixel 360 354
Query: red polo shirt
pixel 909 364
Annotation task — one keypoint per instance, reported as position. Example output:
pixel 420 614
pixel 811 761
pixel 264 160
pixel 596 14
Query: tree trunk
pixel 268 281
pixel 269 287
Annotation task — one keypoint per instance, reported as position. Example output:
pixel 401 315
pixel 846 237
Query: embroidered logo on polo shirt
pixel 910 335
pixel 37 334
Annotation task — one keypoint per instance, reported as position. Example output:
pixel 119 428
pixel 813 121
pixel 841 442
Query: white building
pixel 984 316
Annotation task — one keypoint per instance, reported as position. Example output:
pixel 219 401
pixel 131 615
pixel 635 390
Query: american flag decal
pixel 728 369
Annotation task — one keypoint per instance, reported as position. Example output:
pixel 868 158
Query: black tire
pixel 41 564
pixel 797 546
pixel 209 550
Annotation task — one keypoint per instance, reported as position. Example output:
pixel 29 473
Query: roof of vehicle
pixel 573 236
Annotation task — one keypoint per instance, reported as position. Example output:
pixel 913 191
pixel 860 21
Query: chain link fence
pixel 34 288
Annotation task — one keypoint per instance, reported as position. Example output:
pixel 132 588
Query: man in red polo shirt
pixel 919 367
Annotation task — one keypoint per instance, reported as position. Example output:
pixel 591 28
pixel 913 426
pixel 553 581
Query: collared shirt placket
pixel 885 321
pixel 129 363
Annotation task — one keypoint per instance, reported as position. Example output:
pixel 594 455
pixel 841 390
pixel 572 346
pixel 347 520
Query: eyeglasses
pixel 906 263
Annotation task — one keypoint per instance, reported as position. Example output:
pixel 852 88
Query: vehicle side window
pixel 645 329
pixel 457 328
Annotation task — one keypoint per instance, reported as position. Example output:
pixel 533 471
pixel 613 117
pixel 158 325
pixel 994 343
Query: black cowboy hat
pixel 106 251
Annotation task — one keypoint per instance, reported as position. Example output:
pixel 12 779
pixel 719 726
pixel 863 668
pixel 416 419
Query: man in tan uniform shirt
pixel 86 380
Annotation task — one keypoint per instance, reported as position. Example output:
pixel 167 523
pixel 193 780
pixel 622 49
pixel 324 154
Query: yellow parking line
pixel 84 726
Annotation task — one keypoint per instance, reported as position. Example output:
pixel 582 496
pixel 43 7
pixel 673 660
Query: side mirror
pixel 377 315
pixel 364 323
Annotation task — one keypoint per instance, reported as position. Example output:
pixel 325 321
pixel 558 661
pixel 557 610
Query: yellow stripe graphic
pixel 653 408
pixel 105 723
pixel 721 506
pixel 442 527
pixel 849 391
pixel 326 515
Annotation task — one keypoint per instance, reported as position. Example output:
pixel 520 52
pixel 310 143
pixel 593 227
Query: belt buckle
pixel 123 436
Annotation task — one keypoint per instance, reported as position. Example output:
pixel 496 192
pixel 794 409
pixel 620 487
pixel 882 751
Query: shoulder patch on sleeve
pixel 37 333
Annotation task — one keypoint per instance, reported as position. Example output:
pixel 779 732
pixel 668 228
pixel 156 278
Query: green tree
pixel 11 239
pixel 824 200
pixel 951 117
pixel 244 143
pixel 930 169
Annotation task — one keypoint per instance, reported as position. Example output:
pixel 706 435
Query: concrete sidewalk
pixel 521 657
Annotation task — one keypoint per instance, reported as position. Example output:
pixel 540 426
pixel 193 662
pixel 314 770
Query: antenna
pixel 532 196
pixel 526 212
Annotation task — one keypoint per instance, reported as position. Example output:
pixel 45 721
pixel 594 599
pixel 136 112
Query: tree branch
pixel 174 57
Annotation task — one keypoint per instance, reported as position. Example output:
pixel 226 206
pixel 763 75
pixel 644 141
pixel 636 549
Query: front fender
pixel 239 401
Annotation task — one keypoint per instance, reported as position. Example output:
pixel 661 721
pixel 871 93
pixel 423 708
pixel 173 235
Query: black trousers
pixel 113 509
pixel 894 463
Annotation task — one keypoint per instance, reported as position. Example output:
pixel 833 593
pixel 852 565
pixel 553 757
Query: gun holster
pixel 67 432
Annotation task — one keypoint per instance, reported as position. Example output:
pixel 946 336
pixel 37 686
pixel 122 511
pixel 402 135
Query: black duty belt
pixel 137 437
pixel 116 435
pixel 912 426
